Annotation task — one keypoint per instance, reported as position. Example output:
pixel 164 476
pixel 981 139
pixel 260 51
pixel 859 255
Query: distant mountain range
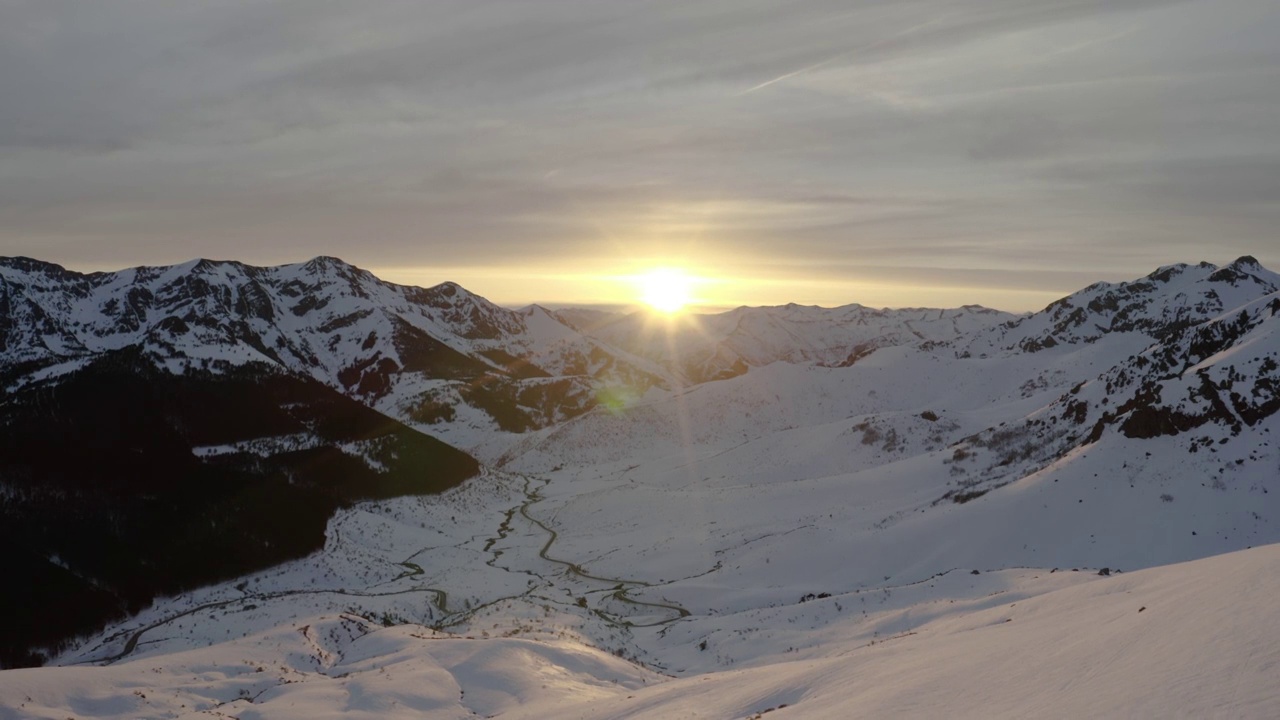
pixel 164 428
pixel 416 353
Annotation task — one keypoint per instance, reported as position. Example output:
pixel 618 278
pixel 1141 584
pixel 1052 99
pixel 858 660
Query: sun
pixel 668 290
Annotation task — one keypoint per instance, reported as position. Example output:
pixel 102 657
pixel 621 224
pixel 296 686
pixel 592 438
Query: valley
pixel 947 509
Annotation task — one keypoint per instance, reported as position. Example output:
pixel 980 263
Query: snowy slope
pixel 1123 460
pixel 1188 640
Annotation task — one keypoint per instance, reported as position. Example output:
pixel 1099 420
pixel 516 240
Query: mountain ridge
pixel 340 324
pixel 888 430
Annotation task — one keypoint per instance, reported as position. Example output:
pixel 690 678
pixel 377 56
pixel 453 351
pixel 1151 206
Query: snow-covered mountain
pixel 416 352
pixel 420 354
pixel 1167 301
pixel 700 348
pixel 756 509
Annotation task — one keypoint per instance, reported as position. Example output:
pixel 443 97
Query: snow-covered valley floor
pixel 799 570
pixel 1187 640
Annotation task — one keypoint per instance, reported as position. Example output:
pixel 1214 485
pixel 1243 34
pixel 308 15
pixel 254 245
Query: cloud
pixel 990 135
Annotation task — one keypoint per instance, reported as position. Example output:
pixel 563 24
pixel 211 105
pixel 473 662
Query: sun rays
pixel 666 290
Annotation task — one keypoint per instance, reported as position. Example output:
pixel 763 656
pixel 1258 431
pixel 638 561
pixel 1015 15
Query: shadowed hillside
pixel 123 482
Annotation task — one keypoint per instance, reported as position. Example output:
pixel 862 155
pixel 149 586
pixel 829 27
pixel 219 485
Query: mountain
pixel 783 499
pixel 1167 301
pixel 701 348
pixel 1137 444
pixel 416 353
pixel 439 358
pixel 156 416
pixel 1203 386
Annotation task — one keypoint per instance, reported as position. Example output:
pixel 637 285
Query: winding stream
pixel 618 589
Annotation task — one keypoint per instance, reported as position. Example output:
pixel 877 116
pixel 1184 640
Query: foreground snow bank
pixel 1194 639
pixel 1198 639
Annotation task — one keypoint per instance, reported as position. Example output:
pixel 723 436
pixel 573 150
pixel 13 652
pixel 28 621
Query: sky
pixel 890 153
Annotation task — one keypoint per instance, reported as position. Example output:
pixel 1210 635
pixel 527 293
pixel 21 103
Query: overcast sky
pixel 899 152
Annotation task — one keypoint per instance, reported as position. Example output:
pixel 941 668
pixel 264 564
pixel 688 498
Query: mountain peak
pixel 1170 299
pixel 1244 268
pixel 31 265
pixel 205 266
pixel 323 263
pixel 976 309
pixel 1165 273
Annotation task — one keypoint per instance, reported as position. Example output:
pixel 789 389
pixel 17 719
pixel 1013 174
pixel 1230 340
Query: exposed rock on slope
pixel 1157 306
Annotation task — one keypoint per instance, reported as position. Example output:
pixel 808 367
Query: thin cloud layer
pixel 922 144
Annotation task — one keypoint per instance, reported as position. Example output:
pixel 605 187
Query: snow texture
pixel 805 513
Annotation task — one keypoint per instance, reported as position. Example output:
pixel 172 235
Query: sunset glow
pixel 667 290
